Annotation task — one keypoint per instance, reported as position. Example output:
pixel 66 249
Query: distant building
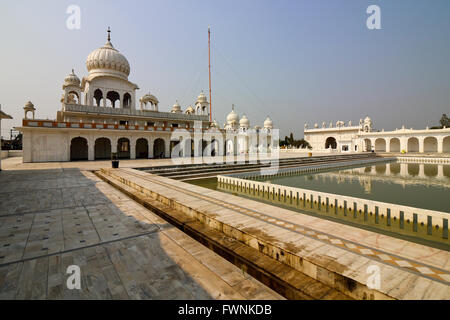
pixel 343 137
pixel 2 116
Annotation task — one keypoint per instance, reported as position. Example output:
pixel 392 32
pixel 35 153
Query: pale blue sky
pixel 297 61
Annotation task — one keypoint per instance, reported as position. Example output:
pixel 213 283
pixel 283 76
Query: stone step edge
pixel 343 284
pixel 290 283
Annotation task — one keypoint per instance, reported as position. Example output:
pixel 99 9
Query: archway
pixel 73 98
pixel 331 142
pixel 214 147
pixel 173 144
pixel 141 148
pixel 413 145
pixel 123 148
pixel 430 170
pixel 430 144
pixel 159 148
pixel 380 169
pixel 446 145
pixel 367 145
pixel 413 169
pixel 202 147
pixel 78 149
pixel 127 100
pixel 98 96
pixel 394 145
pixel 188 148
pixel 380 145
pixel 102 149
pixel 229 147
pixel 113 96
pixel 395 168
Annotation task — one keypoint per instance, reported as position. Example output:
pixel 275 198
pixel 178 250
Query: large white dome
pixel 107 60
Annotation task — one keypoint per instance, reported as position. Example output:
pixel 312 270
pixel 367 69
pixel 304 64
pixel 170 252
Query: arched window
pixel 98 96
pixel 330 143
pixel 73 97
pixel 113 96
pixel 78 149
pixel 127 100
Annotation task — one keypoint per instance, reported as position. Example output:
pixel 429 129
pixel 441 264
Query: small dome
pixel 214 124
pixel 176 108
pixel 367 119
pixel 189 110
pixel 71 80
pixel 29 106
pixel 244 122
pixel 233 116
pixel 149 98
pixel 268 123
pixel 202 98
pixel 108 59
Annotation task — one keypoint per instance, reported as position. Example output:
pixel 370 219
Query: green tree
pixel 445 121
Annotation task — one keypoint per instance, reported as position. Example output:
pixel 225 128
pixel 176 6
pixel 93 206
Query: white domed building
pixel 98 119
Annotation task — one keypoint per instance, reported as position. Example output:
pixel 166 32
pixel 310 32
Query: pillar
pixel 114 145
pixel 104 98
pixel 120 100
pixel 132 148
pixel 91 149
pixel 167 148
pixel 421 170
pixel 421 144
pixel 388 169
pixel 440 144
pixel 151 141
pixel 403 143
pixel 404 169
pixel 440 174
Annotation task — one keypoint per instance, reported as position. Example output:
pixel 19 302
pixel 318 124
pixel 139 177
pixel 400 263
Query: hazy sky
pixel 297 61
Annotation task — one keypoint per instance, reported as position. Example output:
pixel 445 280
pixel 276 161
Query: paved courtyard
pixel 52 217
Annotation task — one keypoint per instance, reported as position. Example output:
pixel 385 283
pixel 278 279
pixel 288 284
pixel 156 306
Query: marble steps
pixel 283 279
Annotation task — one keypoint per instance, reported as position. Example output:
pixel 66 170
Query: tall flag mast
pixel 209 64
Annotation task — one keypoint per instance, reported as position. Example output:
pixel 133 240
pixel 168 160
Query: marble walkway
pixel 53 217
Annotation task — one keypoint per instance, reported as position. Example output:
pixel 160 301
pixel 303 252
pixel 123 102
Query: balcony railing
pixel 130 112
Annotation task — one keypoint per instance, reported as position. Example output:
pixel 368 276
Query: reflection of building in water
pixel 398 173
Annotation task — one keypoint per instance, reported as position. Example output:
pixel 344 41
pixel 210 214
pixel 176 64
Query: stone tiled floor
pixel 53 218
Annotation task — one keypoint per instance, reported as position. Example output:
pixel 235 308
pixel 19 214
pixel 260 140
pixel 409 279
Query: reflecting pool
pixel 425 186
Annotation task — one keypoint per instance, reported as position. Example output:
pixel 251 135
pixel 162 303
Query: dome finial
pixel 232 107
pixel 109 34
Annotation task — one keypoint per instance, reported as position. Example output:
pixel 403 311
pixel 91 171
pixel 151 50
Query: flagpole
pixel 209 65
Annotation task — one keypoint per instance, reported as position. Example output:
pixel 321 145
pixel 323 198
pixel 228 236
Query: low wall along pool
pixel 407 200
